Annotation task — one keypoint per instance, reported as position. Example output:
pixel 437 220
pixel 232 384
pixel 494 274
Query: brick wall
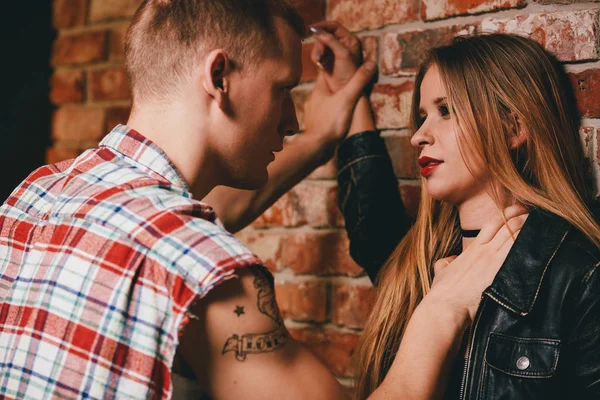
pixel 323 294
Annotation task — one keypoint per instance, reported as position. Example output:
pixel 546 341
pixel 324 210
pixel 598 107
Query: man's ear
pixel 217 70
pixel 519 136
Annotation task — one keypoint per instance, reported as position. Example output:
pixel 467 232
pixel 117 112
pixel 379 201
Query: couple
pixel 114 279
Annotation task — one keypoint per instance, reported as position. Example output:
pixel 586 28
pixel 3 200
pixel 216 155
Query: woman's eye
pixel 444 110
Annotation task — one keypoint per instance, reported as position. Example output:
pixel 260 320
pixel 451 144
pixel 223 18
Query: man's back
pixel 100 258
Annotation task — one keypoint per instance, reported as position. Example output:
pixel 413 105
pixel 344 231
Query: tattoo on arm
pixel 239 310
pixel 256 343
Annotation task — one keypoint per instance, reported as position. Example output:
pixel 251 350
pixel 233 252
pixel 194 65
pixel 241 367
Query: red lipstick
pixel 428 164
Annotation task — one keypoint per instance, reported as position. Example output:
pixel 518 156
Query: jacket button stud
pixel 523 363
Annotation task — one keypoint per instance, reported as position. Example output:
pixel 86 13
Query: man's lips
pixel 428 164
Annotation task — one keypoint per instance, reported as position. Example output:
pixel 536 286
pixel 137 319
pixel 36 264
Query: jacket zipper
pixel 472 330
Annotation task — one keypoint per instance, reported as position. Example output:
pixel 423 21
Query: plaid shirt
pixel 100 257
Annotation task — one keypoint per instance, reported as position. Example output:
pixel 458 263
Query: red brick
pixel 57 153
pixel 108 84
pixel 319 252
pixel 403 53
pixel 80 48
pixel 351 304
pixel 598 146
pixel 310 202
pixel 358 15
pixel 68 13
pixel 570 35
pixel 103 10
pixel 115 116
pixel 78 124
pixel 391 104
pixel 311 10
pixel 587 92
pixel 411 196
pixel 66 86
pixel 563 1
pixel 333 348
pixel 587 134
pixel 266 244
pixel 303 301
pixel 117 43
pixel 436 9
pixel 404 155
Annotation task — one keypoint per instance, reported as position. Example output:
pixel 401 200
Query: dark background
pixel 26 35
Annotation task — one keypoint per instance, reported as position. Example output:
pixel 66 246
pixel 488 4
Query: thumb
pixel 353 89
pixel 441 264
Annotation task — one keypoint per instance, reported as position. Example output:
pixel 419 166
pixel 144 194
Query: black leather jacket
pixel 536 334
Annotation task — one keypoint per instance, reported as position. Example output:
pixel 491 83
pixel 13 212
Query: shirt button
pixel 523 363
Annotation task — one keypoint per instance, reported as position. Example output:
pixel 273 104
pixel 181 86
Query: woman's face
pixel 442 165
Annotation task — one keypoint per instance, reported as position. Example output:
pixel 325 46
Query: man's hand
pixel 328 114
pixel 337 52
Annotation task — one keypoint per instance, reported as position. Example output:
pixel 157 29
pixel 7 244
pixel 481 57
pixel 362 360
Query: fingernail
pixel 370 66
pixel 320 65
pixel 316 31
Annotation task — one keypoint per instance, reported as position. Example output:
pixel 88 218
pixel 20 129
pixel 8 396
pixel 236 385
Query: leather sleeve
pixel 369 199
pixel 583 347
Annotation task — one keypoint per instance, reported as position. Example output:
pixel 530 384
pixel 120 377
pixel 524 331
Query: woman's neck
pixel 474 213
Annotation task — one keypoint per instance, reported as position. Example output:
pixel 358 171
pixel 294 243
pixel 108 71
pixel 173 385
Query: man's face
pixel 262 112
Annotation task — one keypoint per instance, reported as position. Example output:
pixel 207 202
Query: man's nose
pixel 289 120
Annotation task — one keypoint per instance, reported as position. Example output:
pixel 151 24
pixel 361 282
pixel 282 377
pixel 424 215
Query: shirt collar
pixel 132 144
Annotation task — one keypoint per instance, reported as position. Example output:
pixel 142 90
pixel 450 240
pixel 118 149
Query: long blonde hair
pixel 496 84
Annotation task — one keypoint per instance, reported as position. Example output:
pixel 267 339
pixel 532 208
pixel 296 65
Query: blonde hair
pixel 496 84
pixel 166 37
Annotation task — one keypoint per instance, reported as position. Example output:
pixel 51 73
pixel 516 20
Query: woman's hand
pixel 337 52
pixel 460 281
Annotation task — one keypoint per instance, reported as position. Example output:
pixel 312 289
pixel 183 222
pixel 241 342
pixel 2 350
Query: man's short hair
pixel 166 37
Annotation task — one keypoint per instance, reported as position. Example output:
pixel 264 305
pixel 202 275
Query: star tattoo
pixel 239 310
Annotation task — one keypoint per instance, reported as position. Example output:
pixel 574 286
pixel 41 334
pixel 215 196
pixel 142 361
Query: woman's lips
pixel 428 164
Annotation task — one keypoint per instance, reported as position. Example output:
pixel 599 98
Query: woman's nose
pixel 421 137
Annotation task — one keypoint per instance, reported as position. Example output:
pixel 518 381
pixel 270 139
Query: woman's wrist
pixel 362 118
pixel 447 315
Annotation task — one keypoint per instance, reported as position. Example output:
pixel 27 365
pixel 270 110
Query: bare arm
pixel 239 348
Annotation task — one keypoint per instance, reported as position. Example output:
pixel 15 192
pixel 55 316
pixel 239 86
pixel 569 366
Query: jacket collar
pixel 517 283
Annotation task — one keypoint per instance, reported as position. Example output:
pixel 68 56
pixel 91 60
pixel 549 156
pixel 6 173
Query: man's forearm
pixel 238 208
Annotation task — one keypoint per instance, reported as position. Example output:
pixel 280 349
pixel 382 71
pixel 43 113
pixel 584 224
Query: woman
pixel 493 129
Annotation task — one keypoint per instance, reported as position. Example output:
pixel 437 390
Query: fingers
pixel 489 230
pixel 332 27
pixel 327 39
pixel 317 54
pixel 442 263
pixel 508 232
pixel 353 89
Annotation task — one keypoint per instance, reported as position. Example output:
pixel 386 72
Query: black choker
pixel 470 233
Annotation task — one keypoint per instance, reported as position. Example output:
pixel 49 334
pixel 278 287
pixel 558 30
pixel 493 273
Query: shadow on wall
pixel 26 35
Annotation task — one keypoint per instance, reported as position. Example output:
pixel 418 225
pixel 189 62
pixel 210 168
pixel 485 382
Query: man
pixel 107 263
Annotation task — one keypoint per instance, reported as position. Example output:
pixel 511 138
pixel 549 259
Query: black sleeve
pixel 369 199
pixel 583 348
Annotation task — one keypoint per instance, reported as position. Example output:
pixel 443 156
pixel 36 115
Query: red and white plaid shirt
pixel 100 258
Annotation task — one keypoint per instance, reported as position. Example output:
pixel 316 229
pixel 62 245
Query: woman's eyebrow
pixel 440 100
